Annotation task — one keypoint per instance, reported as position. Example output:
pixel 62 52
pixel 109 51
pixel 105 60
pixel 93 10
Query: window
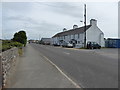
pixel 66 36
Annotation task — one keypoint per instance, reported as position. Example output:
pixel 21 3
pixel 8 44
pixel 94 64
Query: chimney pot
pixel 93 22
pixel 75 26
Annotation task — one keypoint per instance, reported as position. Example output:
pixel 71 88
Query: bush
pixel 20 37
pixel 7 44
pixel 5 47
pixel 16 44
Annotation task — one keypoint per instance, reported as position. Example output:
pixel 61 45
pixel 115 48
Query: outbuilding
pixel 112 43
pixel 46 41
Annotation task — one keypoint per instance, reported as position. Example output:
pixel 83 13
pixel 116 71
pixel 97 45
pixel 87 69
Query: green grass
pixel 7 44
pixel 0 47
pixel 20 51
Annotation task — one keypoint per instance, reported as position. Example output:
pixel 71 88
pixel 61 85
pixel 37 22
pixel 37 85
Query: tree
pixel 20 37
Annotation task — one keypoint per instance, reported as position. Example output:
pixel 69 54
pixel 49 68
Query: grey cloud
pixel 45 27
pixel 21 18
pixel 65 8
pixel 32 27
pixel 119 19
pixel 17 6
pixel 30 17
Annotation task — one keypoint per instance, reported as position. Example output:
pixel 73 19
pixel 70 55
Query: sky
pixel 119 19
pixel 45 19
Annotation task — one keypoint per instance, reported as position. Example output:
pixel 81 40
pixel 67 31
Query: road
pixel 32 70
pixel 87 68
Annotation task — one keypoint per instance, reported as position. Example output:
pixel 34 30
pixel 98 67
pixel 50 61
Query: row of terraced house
pixel 76 35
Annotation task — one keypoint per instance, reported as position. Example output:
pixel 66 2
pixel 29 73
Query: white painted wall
pixel 80 40
pixel 95 34
pixel 55 40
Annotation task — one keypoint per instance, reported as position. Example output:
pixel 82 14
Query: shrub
pixel 16 44
pixel 5 47
pixel 7 44
pixel 20 37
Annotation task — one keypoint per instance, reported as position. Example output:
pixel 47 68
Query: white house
pixel 76 35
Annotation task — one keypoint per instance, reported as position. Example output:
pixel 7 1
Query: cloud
pixel 65 8
pixel 0 20
pixel 30 25
pixel 119 19
pixel 44 30
pixel 48 18
pixel 17 6
pixel 21 18
pixel 107 15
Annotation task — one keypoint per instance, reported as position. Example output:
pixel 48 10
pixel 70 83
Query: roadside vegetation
pixel 19 40
pixel 20 37
pixel 7 44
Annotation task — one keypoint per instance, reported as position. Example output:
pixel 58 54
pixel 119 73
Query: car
pixel 69 45
pixel 56 45
pixel 93 45
pixel 64 44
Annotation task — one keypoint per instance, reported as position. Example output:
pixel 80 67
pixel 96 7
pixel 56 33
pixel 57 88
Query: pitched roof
pixel 72 31
pixel 45 39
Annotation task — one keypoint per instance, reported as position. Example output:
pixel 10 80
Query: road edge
pixel 75 84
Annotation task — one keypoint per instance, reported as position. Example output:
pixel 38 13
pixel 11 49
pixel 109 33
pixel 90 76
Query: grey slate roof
pixel 45 39
pixel 72 31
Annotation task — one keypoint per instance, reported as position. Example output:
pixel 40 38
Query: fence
pixel 8 60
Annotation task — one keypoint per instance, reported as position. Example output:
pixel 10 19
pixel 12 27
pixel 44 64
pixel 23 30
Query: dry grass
pixel 20 51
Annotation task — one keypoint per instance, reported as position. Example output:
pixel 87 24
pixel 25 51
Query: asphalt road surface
pixel 32 70
pixel 86 67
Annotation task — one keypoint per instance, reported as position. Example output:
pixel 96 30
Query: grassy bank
pixel 7 44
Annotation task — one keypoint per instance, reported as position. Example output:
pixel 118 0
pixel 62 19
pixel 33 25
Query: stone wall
pixel 0 73
pixel 7 62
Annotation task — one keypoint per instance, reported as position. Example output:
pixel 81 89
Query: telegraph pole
pixel 39 37
pixel 84 25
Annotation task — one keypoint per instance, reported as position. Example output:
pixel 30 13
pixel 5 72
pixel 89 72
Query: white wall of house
pixel 55 40
pixel 67 38
pixel 95 34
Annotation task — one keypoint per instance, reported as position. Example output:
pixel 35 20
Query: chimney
pixel 93 22
pixel 75 26
pixel 64 29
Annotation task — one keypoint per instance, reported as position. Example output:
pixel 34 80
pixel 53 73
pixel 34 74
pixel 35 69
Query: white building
pixel 76 35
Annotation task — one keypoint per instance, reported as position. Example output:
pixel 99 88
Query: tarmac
pixel 34 71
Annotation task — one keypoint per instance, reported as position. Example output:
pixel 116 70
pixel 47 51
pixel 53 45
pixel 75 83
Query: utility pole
pixel 84 25
pixel 39 37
